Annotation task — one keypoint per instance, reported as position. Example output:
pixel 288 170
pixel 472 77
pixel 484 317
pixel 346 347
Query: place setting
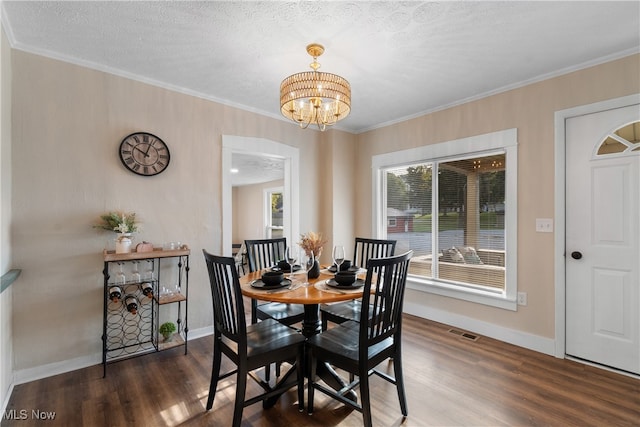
pixel 285 267
pixel 273 281
pixel 340 264
pixel 345 267
pixel 341 283
pixel 345 279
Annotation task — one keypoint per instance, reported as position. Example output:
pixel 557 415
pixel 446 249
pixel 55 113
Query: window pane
pixel 409 213
pixel 275 227
pixel 631 132
pixel 610 146
pixel 276 209
pixel 630 135
pixel 471 209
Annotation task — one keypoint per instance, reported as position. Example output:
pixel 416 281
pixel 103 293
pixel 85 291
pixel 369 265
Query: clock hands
pixel 146 154
pixel 135 147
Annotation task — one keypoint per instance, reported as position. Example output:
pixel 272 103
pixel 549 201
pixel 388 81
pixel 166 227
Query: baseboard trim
pixel 511 336
pixel 200 332
pixel 6 398
pixel 491 330
pixel 44 371
pixel 22 376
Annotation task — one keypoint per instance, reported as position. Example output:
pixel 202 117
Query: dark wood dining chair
pixel 261 254
pixel 248 347
pixel 358 347
pixel 364 250
pixel 265 253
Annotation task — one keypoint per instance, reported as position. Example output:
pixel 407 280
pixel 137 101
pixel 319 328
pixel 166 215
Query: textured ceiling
pixel 402 59
pixel 255 169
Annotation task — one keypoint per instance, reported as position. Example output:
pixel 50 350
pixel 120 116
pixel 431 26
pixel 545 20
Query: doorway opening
pixel 271 151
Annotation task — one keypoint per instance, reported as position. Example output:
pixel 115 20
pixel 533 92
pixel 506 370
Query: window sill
pixel 478 296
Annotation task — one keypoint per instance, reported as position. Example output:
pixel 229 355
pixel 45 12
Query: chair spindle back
pixel 265 253
pixel 228 305
pixel 388 276
pixel 371 248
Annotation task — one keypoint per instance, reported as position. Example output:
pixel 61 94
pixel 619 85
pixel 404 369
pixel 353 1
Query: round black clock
pixel 144 154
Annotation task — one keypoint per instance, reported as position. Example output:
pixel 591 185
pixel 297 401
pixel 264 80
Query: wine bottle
pixel 147 289
pixel 115 293
pixel 132 304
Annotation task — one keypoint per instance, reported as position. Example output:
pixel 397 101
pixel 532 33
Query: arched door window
pixel 624 140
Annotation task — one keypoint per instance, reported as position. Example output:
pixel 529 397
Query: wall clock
pixel 144 154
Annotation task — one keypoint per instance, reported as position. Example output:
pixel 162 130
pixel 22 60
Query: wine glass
pixel 121 279
pixel 135 274
pixel 291 256
pixel 338 256
pixel 308 262
pixel 148 273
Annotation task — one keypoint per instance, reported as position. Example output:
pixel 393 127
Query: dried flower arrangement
pixel 312 242
pixel 119 222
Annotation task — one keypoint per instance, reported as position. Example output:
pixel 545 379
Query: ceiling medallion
pixel 314 96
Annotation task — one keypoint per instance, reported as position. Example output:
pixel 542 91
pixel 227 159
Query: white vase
pixel 123 244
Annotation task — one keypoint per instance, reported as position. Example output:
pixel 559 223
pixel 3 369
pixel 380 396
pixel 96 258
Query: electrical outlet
pixel 522 298
pixel 544 225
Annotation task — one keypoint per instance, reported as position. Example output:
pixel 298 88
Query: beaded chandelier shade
pixel 314 96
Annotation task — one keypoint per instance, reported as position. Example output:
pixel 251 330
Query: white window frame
pixel 506 141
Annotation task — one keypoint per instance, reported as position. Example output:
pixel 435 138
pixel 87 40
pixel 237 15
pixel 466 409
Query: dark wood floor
pixel 450 381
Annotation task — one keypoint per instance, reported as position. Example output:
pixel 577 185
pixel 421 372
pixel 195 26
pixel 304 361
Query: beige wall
pixel 531 110
pixel 338 213
pixel 68 123
pixel 6 298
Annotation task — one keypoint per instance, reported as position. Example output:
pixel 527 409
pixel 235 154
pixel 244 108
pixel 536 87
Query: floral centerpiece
pixel 312 242
pixel 122 223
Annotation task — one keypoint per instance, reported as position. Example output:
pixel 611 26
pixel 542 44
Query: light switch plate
pixel 544 225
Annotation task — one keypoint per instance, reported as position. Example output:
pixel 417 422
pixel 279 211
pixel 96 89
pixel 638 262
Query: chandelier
pixel 314 96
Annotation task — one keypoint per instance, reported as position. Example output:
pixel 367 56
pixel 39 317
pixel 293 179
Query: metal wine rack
pixel 126 334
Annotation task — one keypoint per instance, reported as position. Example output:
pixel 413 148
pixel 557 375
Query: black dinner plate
pixel 357 284
pixel 296 267
pixel 261 285
pixel 352 269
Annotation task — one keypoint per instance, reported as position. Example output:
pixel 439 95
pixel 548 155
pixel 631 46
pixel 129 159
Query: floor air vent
pixel 465 335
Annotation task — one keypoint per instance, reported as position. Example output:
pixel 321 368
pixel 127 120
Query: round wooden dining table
pixel 311 294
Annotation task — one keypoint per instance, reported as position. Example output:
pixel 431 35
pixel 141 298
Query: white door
pixel 603 238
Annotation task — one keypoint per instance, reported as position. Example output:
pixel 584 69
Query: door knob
pixel 576 255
